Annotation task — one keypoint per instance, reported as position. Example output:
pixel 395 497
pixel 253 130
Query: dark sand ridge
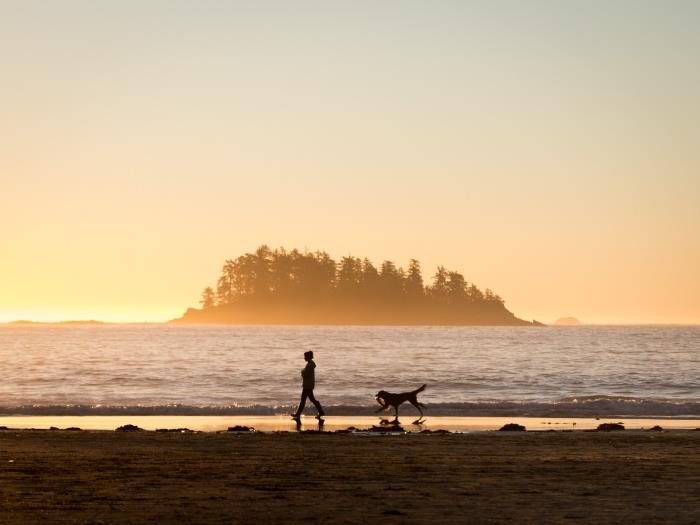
pixel 523 477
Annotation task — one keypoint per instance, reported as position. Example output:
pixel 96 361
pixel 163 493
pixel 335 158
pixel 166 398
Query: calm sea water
pixel 163 369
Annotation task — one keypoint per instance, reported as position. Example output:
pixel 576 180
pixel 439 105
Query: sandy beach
pixel 483 477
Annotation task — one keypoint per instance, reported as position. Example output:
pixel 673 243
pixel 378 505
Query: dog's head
pixel 380 397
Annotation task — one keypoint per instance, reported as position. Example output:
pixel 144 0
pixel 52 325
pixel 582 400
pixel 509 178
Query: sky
pixel 548 150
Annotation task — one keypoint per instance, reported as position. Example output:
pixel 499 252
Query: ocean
pixel 587 371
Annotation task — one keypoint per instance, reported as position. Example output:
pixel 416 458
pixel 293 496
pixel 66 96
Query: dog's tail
pixel 420 389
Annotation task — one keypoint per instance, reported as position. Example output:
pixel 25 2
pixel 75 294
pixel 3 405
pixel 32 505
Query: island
pixel 293 287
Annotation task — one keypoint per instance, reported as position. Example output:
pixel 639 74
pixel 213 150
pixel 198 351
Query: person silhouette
pixel 308 383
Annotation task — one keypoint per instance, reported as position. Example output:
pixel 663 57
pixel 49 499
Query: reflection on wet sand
pixel 331 423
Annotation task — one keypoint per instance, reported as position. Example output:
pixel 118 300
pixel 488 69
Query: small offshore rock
pixel 610 427
pixel 129 428
pixel 74 429
pixel 656 428
pixel 512 427
pixel 54 428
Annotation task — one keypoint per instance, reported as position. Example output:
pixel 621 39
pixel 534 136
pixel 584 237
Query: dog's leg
pixel 383 405
pixel 418 405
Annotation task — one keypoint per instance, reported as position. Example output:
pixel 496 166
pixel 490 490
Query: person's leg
pixel 302 403
pixel 316 403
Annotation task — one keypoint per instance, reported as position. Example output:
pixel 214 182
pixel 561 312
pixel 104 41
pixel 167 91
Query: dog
pixel 387 399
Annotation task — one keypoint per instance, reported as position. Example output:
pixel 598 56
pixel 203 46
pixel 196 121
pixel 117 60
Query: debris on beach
pixel 436 431
pixel 129 428
pixel 348 430
pixel 609 427
pixel 386 428
pixel 512 427
pixel 74 429
pixel 240 428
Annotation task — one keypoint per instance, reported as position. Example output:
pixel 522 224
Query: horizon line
pixel 99 322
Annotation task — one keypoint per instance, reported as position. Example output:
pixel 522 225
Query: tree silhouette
pixel 439 289
pixel 456 288
pixel 390 282
pixel 208 299
pixel 349 276
pixel 414 280
pixel 281 272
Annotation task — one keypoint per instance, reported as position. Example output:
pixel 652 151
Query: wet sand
pixel 489 477
pixel 284 422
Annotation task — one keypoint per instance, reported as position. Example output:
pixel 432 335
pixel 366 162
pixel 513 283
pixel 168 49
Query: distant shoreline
pixel 23 322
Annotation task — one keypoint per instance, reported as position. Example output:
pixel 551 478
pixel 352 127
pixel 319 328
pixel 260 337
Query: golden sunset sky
pixel 549 150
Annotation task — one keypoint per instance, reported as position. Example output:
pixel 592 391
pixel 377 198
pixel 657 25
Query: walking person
pixel 308 382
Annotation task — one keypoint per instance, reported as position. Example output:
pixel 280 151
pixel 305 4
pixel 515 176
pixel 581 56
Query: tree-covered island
pixel 293 287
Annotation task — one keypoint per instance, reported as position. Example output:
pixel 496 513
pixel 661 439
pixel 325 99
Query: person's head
pixel 308 355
